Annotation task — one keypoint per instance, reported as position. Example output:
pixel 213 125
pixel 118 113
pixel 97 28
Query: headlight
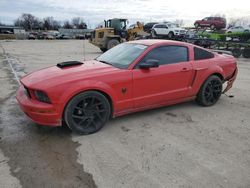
pixel 41 96
pixel 176 30
pixel 27 92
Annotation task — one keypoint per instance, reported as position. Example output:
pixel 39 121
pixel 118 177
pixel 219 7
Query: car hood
pixel 52 76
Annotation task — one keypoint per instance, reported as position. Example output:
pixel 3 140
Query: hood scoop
pixel 68 64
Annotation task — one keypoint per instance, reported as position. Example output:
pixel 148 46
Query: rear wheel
pixel 212 27
pixel 112 43
pixel 87 112
pixel 210 91
pixel 236 52
pixel 196 25
pixel 246 53
pixel 170 34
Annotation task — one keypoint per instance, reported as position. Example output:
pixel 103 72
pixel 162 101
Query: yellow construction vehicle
pixel 135 31
pixel 115 32
pixel 112 33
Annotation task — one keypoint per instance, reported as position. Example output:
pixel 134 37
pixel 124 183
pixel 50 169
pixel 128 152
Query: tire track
pixel 38 156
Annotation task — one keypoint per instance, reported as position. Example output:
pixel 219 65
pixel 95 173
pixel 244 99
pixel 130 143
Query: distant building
pixel 11 30
pixel 75 32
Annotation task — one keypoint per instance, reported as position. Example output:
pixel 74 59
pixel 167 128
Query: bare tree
pixel 219 15
pixel 78 23
pixel 179 22
pixel 239 21
pixel 67 25
pixel 82 25
pixel 27 21
pixel 50 23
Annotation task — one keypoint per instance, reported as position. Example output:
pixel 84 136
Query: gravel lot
pixel 183 145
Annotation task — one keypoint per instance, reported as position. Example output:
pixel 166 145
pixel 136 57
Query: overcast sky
pixel 95 11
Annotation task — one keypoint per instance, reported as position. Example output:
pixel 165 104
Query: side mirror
pixel 150 63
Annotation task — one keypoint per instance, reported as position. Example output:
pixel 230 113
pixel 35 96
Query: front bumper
pixel 230 81
pixel 39 112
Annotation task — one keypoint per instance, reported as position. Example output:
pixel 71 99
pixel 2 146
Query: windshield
pixel 122 55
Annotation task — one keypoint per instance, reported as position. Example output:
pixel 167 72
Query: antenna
pixel 84 51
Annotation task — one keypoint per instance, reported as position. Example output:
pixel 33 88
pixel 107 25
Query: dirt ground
pixel 184 145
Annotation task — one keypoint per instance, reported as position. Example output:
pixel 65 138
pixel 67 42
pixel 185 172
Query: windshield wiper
pixel 105 62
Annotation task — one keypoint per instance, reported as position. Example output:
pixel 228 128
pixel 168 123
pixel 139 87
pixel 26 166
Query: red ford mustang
pixel 130 77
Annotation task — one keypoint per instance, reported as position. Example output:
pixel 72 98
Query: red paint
pixel 145 89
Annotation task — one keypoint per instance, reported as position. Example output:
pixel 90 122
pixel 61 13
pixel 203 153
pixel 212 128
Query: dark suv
pixel 212 22
pixel 147 27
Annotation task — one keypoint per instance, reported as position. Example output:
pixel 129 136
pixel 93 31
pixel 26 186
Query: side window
pixel 157 26
pixel 200 54
pixel 160 26
pixel 168 54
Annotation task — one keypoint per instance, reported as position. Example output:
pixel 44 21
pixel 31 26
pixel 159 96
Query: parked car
pixel 130 77
pixel 63 36
pixel 79 36
pixel 211 22
pixel 49 37
pixel 31 36
pixel 238 29
pixel 8 32
pixel 148 26
pixel 167 29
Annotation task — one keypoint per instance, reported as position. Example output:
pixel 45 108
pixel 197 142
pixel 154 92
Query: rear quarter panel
pixel 223 65
pixel 227 63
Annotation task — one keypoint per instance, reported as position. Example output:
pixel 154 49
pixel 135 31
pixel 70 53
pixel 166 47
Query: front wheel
pixel 210 91
pixel 112 43
pixel 154 34
pixel 87 112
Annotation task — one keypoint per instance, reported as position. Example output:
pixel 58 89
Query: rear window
pixel 200 54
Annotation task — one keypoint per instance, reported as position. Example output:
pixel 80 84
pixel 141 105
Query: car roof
pixel 151 42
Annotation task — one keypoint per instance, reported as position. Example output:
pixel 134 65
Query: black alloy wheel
pixel 87 112
pixel 210 91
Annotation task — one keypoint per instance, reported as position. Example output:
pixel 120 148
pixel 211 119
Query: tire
pixel 246 53
pixel 196 25
pixel 87 112
pixel 112 43
pixel 236 52
pixel 103 49
pixel 210 91
pixel 153 34
pixel 170 35
pixel 212 27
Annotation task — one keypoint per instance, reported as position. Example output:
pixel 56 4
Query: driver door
pixel 169 81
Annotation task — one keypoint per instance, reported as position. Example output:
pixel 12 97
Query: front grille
pixel 100 34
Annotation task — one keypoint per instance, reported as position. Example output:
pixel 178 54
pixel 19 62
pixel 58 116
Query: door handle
pixel 184 69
